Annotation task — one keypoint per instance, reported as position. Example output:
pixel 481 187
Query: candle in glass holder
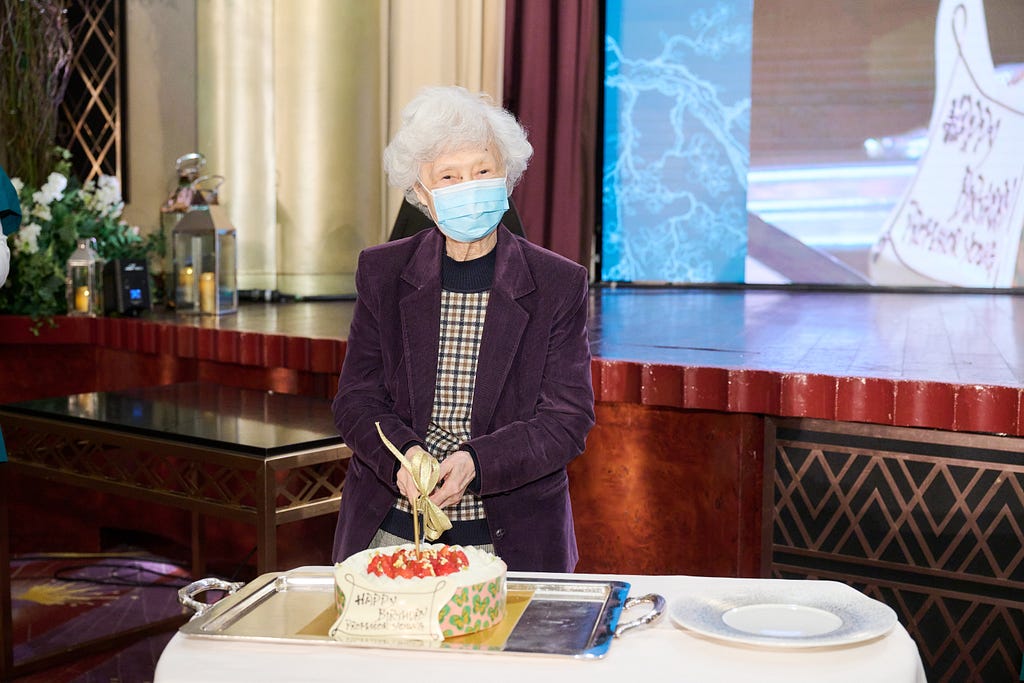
pixel 207 293
pixel 82 299
pixel 186 281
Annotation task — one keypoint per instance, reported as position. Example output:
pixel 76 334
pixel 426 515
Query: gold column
pixel 328 132
pixel 440 42
pixel 235 111
pixel 296 100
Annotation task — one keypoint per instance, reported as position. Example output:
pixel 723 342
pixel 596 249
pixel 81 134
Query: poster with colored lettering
pixel 959 222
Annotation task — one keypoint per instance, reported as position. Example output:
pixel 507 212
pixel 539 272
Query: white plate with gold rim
pixel 784 613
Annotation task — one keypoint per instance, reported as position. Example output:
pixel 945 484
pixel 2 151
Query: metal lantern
pixel 187 168
pixel 83 280
pixel 205 265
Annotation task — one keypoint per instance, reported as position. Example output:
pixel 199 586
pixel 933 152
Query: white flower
pixel 110 181
pixel 56 183
pixel 42 212
pixel 25 240
pixel 103 197
pixel 18 185
pixel 52 189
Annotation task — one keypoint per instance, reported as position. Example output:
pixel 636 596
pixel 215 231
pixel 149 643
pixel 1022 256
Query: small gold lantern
pixel 82 282
pixel 205 265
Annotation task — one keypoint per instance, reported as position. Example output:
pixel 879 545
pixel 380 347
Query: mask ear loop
pixel 431 211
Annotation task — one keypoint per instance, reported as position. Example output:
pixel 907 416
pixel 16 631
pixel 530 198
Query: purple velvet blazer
pixel 532 408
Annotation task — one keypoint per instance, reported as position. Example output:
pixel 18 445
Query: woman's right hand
pixel 405 481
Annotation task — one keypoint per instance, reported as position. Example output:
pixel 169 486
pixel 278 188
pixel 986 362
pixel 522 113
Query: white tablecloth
pixel 660 651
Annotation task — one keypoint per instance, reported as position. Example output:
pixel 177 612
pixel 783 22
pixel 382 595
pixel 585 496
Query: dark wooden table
pixel 254 456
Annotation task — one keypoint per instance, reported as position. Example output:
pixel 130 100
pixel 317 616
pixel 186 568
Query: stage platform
pixel 941 360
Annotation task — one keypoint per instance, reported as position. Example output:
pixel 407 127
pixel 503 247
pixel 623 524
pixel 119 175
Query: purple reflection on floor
pixel 59 601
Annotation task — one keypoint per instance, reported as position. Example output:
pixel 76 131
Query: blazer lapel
pixel 503 328
pixel 420 309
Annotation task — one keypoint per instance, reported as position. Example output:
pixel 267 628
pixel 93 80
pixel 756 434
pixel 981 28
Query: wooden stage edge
pixel 114 353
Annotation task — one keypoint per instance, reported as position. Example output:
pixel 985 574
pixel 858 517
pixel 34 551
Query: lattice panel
pixel 932 527
pixel 137 469
pixel 951 515
pixel 223 485
pixel 311 483
pixel 968 641
pixel 91 115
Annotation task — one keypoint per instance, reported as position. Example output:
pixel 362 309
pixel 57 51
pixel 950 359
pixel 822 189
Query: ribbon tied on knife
pixel 425 471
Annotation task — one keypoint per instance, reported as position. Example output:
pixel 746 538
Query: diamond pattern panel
pixel 314 482
pixel 929 524
pixel 960 640
pixel 91 117
pixel 220 484
pixel 226 484
pixel 920 510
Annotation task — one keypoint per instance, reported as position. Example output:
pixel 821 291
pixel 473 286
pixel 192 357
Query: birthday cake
pixel 444 591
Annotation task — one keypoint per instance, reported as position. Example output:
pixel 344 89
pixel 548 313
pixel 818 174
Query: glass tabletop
pixel 248 421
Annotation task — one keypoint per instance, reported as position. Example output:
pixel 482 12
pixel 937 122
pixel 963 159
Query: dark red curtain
pixel 552 79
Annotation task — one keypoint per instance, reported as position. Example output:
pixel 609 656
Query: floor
pixel 63 599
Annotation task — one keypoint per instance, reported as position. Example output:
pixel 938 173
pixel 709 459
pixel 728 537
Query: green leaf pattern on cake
pixel 482 606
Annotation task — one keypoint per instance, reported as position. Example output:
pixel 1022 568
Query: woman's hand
pixel 457 472
pixel 406 482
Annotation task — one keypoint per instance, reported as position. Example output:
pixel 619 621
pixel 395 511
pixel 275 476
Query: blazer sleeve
pixel 362 399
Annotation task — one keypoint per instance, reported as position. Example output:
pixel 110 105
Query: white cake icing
pixel 432 607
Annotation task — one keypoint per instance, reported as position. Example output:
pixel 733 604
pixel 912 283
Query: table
pixel 660 651
pixel 258 457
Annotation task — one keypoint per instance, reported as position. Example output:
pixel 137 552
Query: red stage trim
pixel 908 403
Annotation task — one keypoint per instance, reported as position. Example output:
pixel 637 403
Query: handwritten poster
pixel 960 220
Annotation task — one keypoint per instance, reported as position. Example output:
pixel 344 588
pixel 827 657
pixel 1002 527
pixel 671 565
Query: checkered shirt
pixel 462 325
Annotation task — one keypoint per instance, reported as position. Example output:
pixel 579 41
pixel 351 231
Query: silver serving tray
pixel 565 617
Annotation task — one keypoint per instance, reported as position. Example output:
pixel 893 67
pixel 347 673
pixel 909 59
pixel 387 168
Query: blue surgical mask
pixel 471 210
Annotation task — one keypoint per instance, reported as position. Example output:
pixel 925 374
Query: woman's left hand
pixel 457 472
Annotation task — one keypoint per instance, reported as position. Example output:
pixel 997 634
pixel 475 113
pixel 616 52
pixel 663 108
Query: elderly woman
pixel 467 345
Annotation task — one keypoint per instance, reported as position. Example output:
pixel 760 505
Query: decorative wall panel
pixel 91 121
pixel 928 522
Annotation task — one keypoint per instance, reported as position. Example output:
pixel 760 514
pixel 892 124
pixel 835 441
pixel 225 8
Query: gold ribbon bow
pixel 425 471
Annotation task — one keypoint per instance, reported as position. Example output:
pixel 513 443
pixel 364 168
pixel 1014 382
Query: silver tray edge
pixel 210 623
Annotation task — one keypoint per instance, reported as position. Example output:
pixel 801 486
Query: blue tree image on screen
pixel 676 141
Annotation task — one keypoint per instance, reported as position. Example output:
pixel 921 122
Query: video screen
pixel 841 143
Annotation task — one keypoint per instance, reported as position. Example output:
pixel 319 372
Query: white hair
pixel 447 119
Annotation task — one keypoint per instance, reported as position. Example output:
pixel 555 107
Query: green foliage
pixel 54 216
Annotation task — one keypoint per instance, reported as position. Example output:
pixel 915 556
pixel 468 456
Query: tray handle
pixel 657 604
pixel 187 595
